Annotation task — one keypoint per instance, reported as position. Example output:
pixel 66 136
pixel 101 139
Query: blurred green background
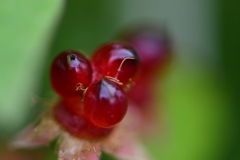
pixel 199 111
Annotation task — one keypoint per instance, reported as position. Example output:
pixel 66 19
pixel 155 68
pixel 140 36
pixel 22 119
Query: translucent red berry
pixel 78 125
pixel 142 92
pixel 117 60
pixel 153 46
pixel 70 73
pixel 105 103
pixel 74 105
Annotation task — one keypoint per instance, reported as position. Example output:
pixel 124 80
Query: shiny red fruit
pixel 74 105
pixel 143 92
pixel 78 125
pixel 70 73
pixel 117 60
pixel 105 103
pixel 153 45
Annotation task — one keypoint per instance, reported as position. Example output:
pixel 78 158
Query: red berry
pixel 78 125
pixel 74 105
pixel 143 92
pixel 117 60
pixel 70 73
pixel 105 103
pixel 152 45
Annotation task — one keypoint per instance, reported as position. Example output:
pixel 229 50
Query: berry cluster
pixel 93 97
pixel 96 94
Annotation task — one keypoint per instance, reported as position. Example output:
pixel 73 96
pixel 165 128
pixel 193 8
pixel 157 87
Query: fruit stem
pixel 80 86
pixel 114 80
pixel 120 66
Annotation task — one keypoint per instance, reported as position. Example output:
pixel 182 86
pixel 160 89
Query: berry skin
pixel 105 103
pixel 78 125
pixel 117 60
pixel 70 72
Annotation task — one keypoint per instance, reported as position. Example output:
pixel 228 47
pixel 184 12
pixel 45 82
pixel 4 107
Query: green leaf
pixel 106 156
pixel 26 30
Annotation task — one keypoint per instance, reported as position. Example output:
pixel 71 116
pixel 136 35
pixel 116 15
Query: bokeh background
pixel 199 111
